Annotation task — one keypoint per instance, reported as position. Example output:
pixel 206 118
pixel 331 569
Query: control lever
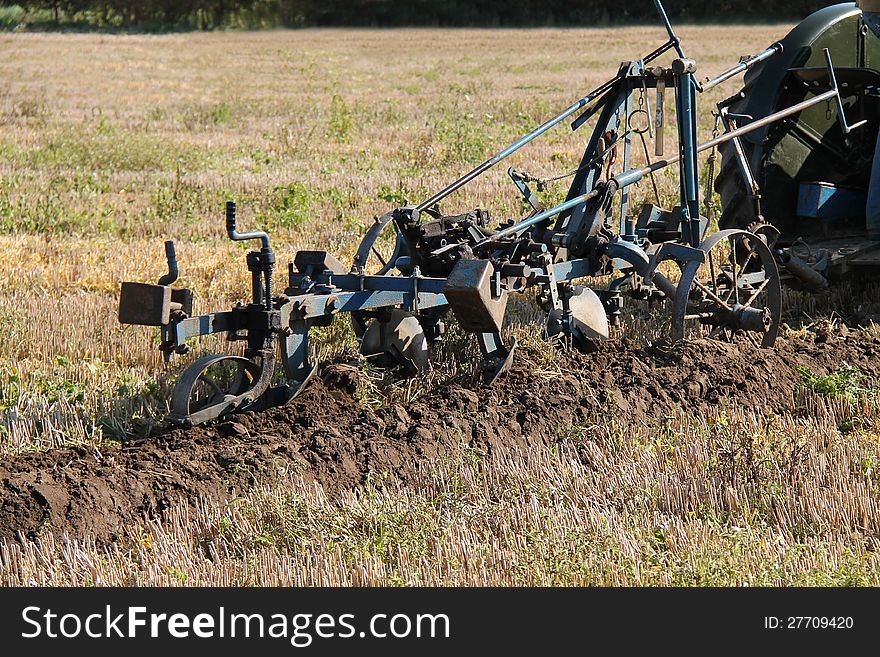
pixel 259 262
pixel 171 257
pixel 238 237
pixel 847 128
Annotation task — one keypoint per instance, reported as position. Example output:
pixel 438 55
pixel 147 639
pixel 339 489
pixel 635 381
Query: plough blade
pixel 400 336
pixel 584 319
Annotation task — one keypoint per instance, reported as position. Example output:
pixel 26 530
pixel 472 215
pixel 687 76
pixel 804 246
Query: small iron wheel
pixel 735 291
pixel 377 255
pixel 212 386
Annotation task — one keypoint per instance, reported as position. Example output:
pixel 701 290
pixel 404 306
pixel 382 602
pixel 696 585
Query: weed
pixel 220 113
pixel 341 123
pixel 294 206
pixel 847 382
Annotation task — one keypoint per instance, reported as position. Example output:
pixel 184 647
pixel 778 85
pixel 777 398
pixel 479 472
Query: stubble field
pixel 646 464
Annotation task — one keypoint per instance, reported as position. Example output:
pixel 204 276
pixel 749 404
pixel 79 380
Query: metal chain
pixel 543 182
pixel 710 181
pixel 640 110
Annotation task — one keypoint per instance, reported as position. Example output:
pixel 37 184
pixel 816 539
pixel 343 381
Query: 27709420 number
pixel 809 622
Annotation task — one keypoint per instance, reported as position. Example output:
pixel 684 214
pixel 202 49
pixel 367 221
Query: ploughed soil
pixel 337 442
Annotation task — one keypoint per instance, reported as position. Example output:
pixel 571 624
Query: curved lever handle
pixel 235 235
pixel 171 257
pixel 841 113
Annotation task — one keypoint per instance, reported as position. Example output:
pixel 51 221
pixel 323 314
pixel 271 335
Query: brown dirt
pixel 338 443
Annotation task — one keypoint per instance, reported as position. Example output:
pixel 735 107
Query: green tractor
pixel 801 183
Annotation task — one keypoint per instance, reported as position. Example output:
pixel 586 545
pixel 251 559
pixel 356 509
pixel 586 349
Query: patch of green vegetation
pixel 178 573
pixel 220 113
pixel 395 197
pixel 847 382
pixel 294 206
pixel 341 124
pixel 430 75
pixel 82 183
pixel 108 148
pixel 53 386
pixel 50 212
pixel 463 138
pixel 297 203
pixel 11 17
pixel 261 158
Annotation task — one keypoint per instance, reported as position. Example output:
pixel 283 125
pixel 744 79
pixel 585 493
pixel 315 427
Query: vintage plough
pixel 725 283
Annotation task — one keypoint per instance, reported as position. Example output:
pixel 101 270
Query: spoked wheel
pixel 380 247
pixel 214 385
pixel 377 255
pixel 735 291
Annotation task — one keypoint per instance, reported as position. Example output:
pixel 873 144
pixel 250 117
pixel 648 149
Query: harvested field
pixel 644 463
pixel 578 405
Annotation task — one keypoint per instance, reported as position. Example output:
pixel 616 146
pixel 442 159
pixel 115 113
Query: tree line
pixel 212 14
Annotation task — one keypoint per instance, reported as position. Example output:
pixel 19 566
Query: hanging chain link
pixel 710 178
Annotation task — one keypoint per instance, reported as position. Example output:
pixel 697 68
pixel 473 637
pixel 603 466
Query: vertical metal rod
pixel 627 159
pixel 744 168
pixel 685 93
pixel 257 288
pixel 659 119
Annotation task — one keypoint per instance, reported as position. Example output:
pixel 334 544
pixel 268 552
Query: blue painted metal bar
pixel 193 327
pixel 315 305
pixel 515 146
pixel 312 306
pixel 538 218
pixel 627 159
pixel 687 129
pixel 355 283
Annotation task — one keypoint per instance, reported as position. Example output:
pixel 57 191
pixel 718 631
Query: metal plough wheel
pixel 212 384
pixel 736 291
pixel 377 254
pixel 380 247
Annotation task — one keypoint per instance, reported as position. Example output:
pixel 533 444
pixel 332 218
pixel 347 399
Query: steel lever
pixel 841 112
